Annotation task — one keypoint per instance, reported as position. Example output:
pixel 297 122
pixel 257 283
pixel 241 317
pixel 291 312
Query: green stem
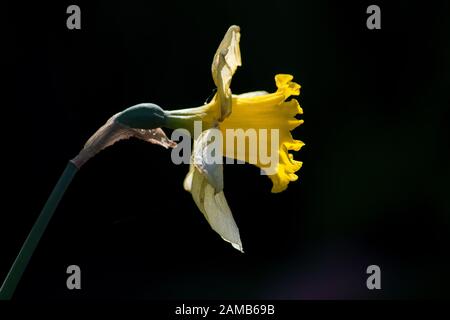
pixel 30 244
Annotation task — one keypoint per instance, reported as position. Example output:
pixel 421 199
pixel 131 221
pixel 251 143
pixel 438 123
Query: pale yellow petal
pixel 225 62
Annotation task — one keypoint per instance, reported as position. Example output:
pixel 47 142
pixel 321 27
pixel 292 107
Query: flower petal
pixel 203 161
pixel 187 184
pixel 205 182
pixel 215 208
pixel 220 218
pixel 225 62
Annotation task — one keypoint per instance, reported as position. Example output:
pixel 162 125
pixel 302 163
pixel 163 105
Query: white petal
pixel 201 158
pixel 215 208
pixel 198 186
pixel 205 182
pixel 225 62
pixel 251 94
pixel 187 184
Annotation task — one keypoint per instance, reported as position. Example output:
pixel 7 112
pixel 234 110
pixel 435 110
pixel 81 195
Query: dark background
pixel 373 188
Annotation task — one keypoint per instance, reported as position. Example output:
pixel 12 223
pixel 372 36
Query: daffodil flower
pixel 256 110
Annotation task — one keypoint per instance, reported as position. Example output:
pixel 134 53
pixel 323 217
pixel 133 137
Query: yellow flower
pixel 255 110
pixel 264 122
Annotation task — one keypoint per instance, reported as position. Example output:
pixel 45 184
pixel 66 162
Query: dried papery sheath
pixel 113 131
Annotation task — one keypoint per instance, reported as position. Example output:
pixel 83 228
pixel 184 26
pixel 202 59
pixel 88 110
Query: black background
pixel 373 188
